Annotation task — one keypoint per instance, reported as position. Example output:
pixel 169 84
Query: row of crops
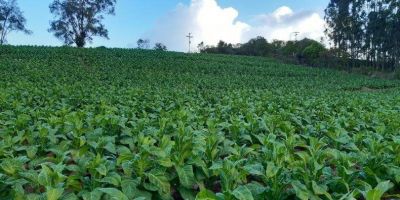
pixel 100 124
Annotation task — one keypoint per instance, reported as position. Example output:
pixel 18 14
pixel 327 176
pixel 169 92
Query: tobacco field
pixel 102 124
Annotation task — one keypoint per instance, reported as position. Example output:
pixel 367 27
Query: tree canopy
pixel 366 29
pixel 143 43
pixel 160 47
pixel 78 21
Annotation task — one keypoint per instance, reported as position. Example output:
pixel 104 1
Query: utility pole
pixel 190 36
pixel 296 33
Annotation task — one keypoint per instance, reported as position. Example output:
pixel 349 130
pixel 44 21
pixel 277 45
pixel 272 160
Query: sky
pixel 169 21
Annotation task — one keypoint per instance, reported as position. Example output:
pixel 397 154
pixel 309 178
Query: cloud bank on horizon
pixel 210 23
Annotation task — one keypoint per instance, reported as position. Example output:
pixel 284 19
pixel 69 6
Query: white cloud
pixel 282 12
pixel 205 19
pixel 209 22
pixel 284 21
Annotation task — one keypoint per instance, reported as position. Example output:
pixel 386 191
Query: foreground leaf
pixel 186 176
pixel 114 193
pixel 242 193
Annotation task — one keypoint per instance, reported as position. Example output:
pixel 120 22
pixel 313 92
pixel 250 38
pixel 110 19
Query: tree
pixel 160 47
pixel 201 47
pixel 143 44
pixel 78 21
pixel 225 48
pixel 255 47
pixel 312 52
pixel 11 19
pixel 365 30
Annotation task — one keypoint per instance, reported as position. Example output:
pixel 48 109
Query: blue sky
pixel 136 19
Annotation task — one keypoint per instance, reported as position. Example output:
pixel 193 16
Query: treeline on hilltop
pixel 306 51
pixel 364 34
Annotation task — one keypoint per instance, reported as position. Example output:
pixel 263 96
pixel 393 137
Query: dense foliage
pixel 362 33
pixel 306 51
pixel 366 29
pixel 130 124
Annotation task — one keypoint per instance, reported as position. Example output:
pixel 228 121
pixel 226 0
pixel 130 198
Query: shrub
pixel 313 51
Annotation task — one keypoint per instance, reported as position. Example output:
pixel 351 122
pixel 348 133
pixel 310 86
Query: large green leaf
pixel 379 190
pixel 54 193
pixel 112 178
pixel 206 195
pixel 115 194
pixel 320 190
pixel 129 187
pixel 70 196
pixel 301 190
pixel 256 188
pixel 187 194
pixel 242 193
pixel 44 177
pixel 102 169
pixel 255 169
pixel 186 175
pixel 159 180
pixel 143 195
pixel 94 195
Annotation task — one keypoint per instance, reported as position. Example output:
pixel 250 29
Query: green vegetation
pixel 131 124
pixel 363 36
pixel 306 52
pixel 366 30
pixel 77 21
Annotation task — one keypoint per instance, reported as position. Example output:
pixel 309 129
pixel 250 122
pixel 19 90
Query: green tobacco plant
pixel 102 124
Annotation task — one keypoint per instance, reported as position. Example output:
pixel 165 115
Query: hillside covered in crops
pixel 99 124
